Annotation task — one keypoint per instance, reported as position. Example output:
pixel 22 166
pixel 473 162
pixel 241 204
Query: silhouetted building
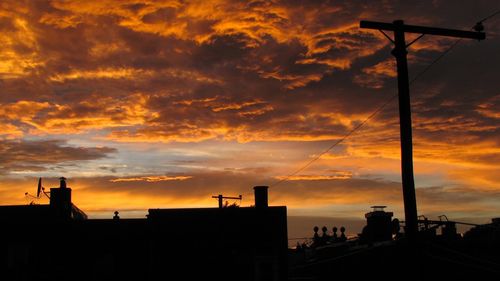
pixel 59 208
pixel 58 242
pixel 379 257
pixel 485 237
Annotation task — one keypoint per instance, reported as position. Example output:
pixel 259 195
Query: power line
pixel 337 142
pixel 374 113
pixel 490 16
pixel 438 58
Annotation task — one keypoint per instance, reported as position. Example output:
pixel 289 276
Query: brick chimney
pixel 60 200
pixel 261 196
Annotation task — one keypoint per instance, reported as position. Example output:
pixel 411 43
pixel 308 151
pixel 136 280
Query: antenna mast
pixel 221 198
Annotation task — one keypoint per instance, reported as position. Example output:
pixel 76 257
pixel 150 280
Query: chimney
pixel 260 196
pixel 60 200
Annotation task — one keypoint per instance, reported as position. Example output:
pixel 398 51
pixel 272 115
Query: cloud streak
pixel 152 178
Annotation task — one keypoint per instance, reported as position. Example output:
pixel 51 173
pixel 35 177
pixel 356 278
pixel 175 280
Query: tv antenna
pixel 221 198
pixel 39 192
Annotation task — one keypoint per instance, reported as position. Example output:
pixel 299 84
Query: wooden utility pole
pixel 400 52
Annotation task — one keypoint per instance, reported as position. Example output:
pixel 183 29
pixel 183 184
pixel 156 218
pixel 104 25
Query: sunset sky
pixel 162 104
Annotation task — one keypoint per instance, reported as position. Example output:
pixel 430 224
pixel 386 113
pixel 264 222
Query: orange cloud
pixel 111 73
pixel 386 68
pixel 231 106
pixel 293 81
pixel 152 178
pixel 230 127
pixel 19 51
pixel 217 104
pixel 345 38
pixel 253 23
pixel 46 118
pixel 148 17
pixel 490 107
pixel 132 73
pixel 177 133
pixel 22 110
pixel 10 131
pixel 62 21
pixel 337 176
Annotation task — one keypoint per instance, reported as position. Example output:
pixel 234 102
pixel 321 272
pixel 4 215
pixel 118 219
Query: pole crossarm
pixel 423 30
pixel 226 197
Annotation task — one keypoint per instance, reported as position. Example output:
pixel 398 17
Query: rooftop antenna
pixel 378 208
pixel 399 28
pixel 39 191
pixel 221 198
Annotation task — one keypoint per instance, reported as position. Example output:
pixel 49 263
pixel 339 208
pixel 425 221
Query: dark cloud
pixel 40 155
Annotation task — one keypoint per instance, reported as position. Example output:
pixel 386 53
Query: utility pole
pixel 400 52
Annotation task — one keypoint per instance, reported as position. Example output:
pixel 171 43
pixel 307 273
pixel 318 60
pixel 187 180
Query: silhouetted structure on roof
pixel 58 242
pixel 220 199
pixel 378 225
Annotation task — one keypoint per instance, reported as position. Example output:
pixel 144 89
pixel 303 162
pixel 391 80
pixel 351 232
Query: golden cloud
pixel 22 110
pixel 384 68
pixel 110 73
pixel 337 176
pixel 133 73
pixel 102 112
pixel 152 178
pixel 19 50
pixel 292 81
pixel 249 108
pixel 10 131
pixel 313 126
pixel 253 22
pixel 490 108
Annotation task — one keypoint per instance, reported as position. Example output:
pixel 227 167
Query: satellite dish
pixel 39 189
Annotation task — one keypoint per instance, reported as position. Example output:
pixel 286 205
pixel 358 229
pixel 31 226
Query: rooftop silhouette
pixel 58 242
